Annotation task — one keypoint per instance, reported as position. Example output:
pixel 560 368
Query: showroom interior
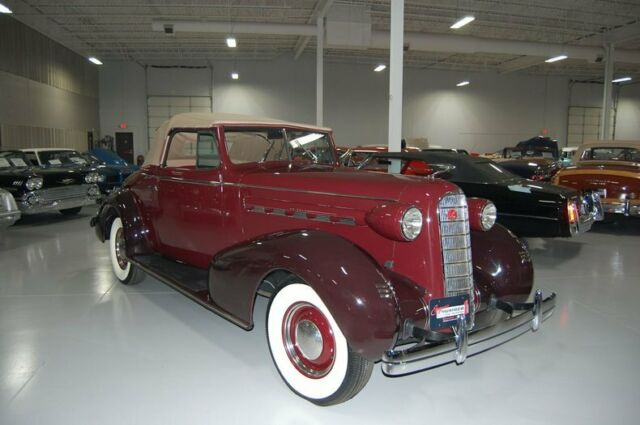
pixel 80 343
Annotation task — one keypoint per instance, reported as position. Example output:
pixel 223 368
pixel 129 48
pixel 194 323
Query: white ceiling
pixel 121 29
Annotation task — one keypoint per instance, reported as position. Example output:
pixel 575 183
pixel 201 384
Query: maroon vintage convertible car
pixel 360 267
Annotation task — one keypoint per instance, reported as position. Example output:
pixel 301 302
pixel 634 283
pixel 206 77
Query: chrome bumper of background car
pixel 590 211
pixel 61 198
pixel 7 218
pixel 425 356
pixel 625 207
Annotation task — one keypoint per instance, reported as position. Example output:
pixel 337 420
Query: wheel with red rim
pixel 309 349
pixel 126 272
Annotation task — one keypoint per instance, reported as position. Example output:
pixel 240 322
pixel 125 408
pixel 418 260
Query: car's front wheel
pixel 126 272
pixel 309 349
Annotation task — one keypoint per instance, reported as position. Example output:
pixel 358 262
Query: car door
pixel 191 217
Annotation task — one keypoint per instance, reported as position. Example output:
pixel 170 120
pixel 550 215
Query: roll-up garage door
pixel 584 124
pixel 161 108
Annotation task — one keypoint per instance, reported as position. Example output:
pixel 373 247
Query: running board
pixel 190 281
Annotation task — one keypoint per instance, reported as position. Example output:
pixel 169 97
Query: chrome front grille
pixel 453 216
pixel 65 192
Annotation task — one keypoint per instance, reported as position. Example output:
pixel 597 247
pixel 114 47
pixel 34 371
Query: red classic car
pixel 611 168
pixel 360 267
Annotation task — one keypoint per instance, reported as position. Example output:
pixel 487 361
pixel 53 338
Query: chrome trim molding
pixel 536 217
pixel 191 181
pixel 312 192
pixel 425 356
pixel 299 214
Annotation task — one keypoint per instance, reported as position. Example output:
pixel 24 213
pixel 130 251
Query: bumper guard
pixel 464 343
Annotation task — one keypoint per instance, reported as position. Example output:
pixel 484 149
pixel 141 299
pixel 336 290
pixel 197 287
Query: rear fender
pixel 126 205
pixel 358 292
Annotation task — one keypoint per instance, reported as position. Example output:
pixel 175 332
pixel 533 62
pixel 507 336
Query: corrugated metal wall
pixel 14 137
pixel 26 52
pixel 29 54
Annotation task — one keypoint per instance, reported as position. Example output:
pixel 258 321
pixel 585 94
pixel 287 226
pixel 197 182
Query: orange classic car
pixel 611 168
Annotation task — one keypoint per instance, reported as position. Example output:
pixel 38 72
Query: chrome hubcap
pixel 309 339
pixel 120 246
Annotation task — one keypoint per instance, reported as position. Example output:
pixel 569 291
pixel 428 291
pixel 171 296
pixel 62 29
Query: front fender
pixel 502 266
pixel 352 285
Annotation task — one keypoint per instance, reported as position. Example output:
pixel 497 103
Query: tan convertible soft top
pixel 211 119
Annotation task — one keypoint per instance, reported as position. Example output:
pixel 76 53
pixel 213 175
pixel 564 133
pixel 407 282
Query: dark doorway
pixel 124 146
pixel 90 140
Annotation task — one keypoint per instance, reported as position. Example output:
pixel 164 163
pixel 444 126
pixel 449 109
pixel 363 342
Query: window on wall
pixel 161 108
pixel 584 124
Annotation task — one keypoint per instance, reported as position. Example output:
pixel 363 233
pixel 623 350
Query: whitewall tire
pixel 126 272
pixel 309 349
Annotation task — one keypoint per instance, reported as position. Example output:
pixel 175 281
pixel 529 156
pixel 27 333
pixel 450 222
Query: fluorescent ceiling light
pixel 235 76
pixel 380 67
pixel 621 80
pixel 231 42
pixel 95 60
pixel 462 22
pixel 463 83
pixel 556 58
pixel 4 9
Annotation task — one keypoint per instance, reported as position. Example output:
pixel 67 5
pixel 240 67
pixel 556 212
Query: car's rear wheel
pixel 309 349
pixel 126 272
pixel 70 211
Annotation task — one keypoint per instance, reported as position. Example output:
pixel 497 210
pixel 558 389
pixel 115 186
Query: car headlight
pixel 488 216
pixel 482 214
pixel 411 223
pixel 101 178
pixel 34 183
pixel 93 178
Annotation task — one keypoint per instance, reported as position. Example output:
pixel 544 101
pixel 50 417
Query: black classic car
pixel 534 159
pixel 525 207
pixel 38 189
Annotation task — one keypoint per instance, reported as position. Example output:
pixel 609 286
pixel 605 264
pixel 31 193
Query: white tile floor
pixel 78 348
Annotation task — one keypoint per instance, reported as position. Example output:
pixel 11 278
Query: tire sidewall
pixel 313 389
pixel 123 275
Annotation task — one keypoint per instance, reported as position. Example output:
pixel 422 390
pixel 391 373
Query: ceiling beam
pixel 622 34
pixel 520 63
pixel 319 11
pixel 39 21
pixel 444 43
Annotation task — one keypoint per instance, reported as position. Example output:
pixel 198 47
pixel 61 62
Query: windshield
pixel 92 159
pixel 612 154
pixel 13 160
pixel 513 153
pixel 246 145
pixel 62 157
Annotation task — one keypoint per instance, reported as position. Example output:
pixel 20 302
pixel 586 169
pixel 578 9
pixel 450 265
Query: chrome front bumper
pixel 7 218
pixel 424 355
pixel 625 207
pixel 45 200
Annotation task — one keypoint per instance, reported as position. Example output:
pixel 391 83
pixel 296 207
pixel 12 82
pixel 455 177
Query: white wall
pixel 628 117
pixel 124 87
pixel 492 112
